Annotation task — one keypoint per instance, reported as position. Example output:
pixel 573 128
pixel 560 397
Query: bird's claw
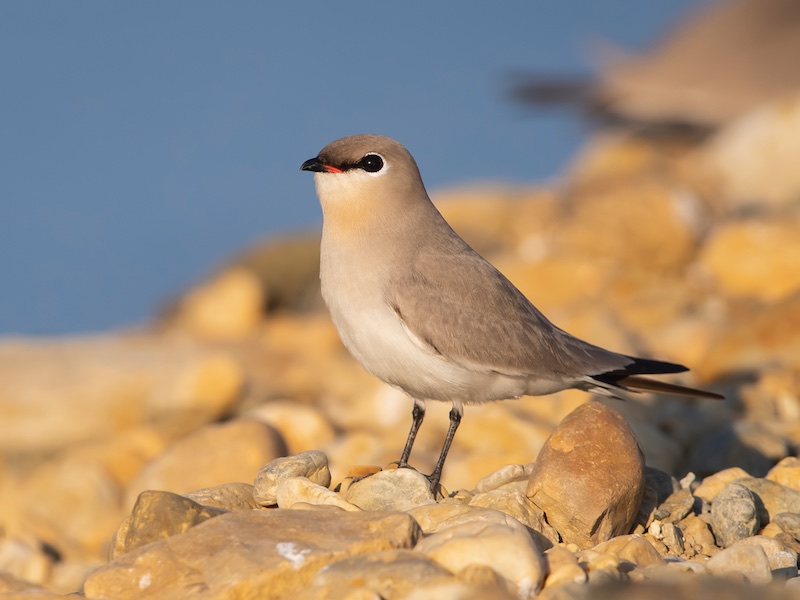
pixel 433 481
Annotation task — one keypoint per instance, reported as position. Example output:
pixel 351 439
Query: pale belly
pixel 376 337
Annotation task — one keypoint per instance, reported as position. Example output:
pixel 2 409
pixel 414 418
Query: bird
pixel 424 312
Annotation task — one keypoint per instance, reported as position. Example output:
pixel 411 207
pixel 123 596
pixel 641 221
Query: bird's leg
pixel 455 419
pixel 417 415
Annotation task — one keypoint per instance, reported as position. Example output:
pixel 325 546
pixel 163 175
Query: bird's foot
pixel 436 487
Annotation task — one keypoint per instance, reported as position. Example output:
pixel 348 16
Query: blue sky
pixel 142 143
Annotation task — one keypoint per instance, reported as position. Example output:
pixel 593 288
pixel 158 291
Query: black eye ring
pixel 372 163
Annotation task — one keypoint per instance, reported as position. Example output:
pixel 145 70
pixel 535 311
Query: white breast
pixel 375 336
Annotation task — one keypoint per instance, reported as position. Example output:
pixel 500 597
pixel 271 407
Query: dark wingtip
pixel 639 366
pixel 646 366
pixel 629 378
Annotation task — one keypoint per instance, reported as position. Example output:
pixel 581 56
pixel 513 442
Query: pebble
pixel 782 560
pixel 697 535
pixel 714 484
pixel 687 481
pixel 657 534
pixel 313 465
pixel 257 553
pixel 734 515
pixel 601 567
pixel 443 515
pixel 786 473
pixel 503 476
pixel 393 489
pixel 387 573
pixel 673 539
pixel 788 522
pixel 749 561
pixel 517 505
pixel 788 541
pixel 507 550
pixel 230 496
pixel 634 549
pixel 589 477
pixel 675 507
pixel 156 516
pixel 300 490
pixel 562 568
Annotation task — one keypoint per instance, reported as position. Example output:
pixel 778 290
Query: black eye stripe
pixel 371 163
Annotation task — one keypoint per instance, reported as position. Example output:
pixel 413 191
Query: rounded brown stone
pixel 589 477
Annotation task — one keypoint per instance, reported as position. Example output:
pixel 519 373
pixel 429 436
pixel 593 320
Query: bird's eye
pixel 372 163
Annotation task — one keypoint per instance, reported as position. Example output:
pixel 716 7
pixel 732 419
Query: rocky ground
pixel 215 453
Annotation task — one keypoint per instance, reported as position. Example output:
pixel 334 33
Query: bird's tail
pixel 637 383
pixel 630 379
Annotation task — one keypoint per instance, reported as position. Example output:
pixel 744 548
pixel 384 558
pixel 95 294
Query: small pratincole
pixel 424 312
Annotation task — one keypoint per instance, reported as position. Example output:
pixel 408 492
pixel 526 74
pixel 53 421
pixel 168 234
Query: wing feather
pixel 467 311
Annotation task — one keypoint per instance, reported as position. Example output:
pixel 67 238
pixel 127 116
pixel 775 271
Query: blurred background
pixel 632 167
pixel 142 143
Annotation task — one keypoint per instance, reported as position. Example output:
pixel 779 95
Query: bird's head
pixel 364 177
